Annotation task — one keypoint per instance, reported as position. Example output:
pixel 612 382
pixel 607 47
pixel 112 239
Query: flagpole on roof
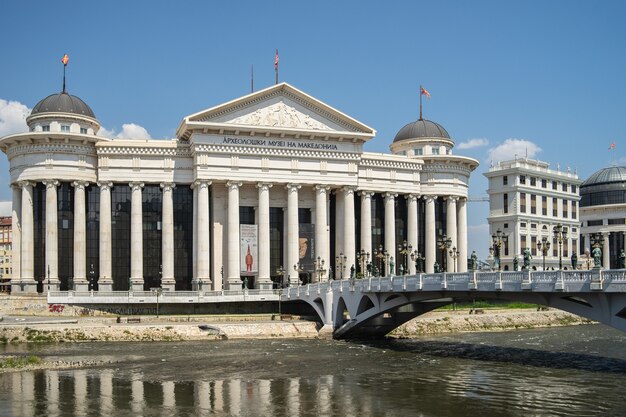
pixel 276 65
pixel 64 60
pixel 420 102
pixel 252 78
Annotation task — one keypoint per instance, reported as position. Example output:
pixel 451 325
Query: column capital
pixel 348 190
pixel 264 186
pixel 168 186
pixel 452 198
pixel 412 197
pixel 105 185
pixel 366 194
pixel 389 196
pixel 50 183
pixel 136 185
pixel 234 185
pixel 292 186
pixel 430 198
pixel 320 188
pixel 80 185
pixel 201 184
pixel 24 184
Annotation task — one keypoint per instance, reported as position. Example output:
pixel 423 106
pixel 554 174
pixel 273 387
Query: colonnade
pixel 345 233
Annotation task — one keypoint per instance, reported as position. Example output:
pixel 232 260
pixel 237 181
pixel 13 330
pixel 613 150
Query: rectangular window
pixel 533 181
pixel 565 209
pixel 594 222
pixel 65 128
pixel 533 204
pixel 522 179
pixel 544 205
pixel 555 207
pixel 418 151
pixel 522 225
pixel 246 215
pixel 565 249
pixel 45 128
pixel 555 247
pixel 506 225
pixel 522 202
pixel 83 130
pixel 505 180
pixel 523 242
pixel 533 226
pixel 574 209
pixel 616 221
pixel 574 188
pixel 554 185
pixel 505 203
pixel 435 150
pixel 533 245
pixel 544 183
pixel 564 187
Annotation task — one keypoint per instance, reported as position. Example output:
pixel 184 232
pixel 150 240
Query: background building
pixel 257 191
pixel 527 201
pixel 5 254
pixel 603 214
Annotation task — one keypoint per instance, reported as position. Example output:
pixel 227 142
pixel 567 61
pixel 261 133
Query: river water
pixel 579 370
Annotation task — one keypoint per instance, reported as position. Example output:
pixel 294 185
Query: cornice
pixel 38 148
pixel 388 163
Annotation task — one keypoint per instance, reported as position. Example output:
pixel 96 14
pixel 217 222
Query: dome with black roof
pixel 63 103
pixel 422 128
pixel 606 186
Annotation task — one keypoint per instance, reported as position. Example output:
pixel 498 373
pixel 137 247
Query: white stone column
pixel 339 226
pixel 27 281
pixel 234 269
pixel 16 241
pixel 321 228
pixel 167 237
pixel 411 228
pixel 203 249
pixel 52 239
pixel 462 234
pixel 451 231
pixel 264 281
pixel 105 281
pixel 390 230
pixel 366 222
pixel 606 252
pixel 293 234
pixel 349 231
pixel 430 238
pixel 80 237
pixel 136 237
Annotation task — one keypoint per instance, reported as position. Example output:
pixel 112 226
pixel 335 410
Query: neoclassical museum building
pixel 268 189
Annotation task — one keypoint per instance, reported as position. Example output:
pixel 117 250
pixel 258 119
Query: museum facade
pixel 268 189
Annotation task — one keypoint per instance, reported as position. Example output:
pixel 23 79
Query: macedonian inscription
pixel 277 143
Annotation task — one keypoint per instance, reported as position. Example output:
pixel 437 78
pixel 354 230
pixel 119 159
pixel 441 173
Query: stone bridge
pixel 373 307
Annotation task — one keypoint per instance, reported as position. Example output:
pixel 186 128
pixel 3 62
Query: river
pixel 578 370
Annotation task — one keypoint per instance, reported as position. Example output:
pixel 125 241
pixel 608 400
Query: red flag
pixel 612 146
pixel 276 61
pixel 424 92
pixel 65 60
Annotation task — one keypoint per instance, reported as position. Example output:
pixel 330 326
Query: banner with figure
pixel 306 247
pixel 248 249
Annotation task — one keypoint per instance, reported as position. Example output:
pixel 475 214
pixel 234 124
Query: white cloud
pixel 473 143
pixel 12 117
pixel 511 148
pixel 129 131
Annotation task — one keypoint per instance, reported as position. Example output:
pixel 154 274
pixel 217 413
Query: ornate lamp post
pixel 380 256
pixel 48 279
pixel 497 240
pixel 280 271
pixel 444 244
pixel 544 247
pixel 363 259
pixel 560 234
pixel 319 268
pixel 299 269
pixel 454 254
pixel 92 277
pixel 340 262
pixel 405 249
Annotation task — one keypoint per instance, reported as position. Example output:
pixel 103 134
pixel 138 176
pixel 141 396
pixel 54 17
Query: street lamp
pixel 454 254
pixel 340 262
pixel 419 261
pixel 363 259
pixel 380 255
pixel 199 289
pixel 299 270
pixel 280 271
pixel 91 278
pixel 560 234
pixel 444 244
pixel 544 247
pixel 158 292
pixel 497 240
pixel 405 249
pixel 48 279
pixel 319 268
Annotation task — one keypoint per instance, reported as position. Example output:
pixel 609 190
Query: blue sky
pixel 505 77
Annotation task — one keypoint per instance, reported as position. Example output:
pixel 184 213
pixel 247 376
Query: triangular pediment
pixel 280 108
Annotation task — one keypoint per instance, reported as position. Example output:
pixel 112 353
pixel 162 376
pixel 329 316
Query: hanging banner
pixel 249 249
pixel 306 247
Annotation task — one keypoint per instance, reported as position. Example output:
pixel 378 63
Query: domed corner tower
pixel 422 137
pixel 65 113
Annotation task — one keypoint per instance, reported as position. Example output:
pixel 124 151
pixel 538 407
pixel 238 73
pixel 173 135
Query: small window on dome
pixel 418 151
pixel 65 128
pixel 45 128
pixel 435 150
pixel 83 130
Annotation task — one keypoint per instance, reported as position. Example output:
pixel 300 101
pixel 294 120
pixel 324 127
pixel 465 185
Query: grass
pixel 19 362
